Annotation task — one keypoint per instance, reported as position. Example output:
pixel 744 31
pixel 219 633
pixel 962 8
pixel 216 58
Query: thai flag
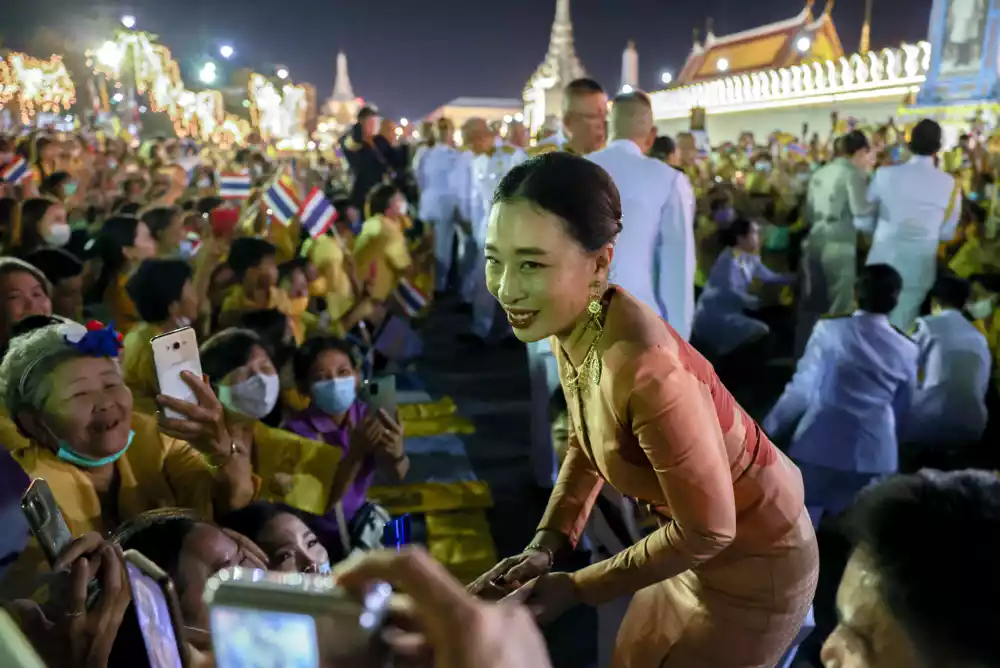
pixel 317 214
pixel 798 149
pixel 280 198
pixel 235 185
pixel 410 298
pixel 14 171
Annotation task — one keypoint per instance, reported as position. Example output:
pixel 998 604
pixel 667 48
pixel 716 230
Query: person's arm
pixel 678 430
pixel 763 274
pixel 800 389
pixel 952 214
pixel 902 402
pixel 864 205
pixel 678 214
pixel 572 499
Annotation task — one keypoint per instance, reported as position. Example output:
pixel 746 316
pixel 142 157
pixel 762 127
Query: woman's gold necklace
pixel 589 371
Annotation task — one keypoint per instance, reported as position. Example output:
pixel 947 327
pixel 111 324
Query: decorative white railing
pixel 884 73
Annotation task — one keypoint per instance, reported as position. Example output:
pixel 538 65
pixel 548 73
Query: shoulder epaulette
pixel 835 316
pixel 904 335
pixel 352 144
pixel 541 149
pixel 508 149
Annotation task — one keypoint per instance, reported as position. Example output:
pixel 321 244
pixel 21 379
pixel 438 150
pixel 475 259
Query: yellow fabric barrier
pixel 450 424
pixel 442 407
pixel 432 497
pixel 461 540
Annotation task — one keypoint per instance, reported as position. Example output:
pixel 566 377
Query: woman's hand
pixel 389 440
pixel 204 425
pixel 547 596
pixel 366 436
pixel 76 636
pixel 459 631
pixel 511 573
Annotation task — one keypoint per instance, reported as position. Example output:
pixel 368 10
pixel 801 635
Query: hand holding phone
pixel 380 394
pixel 46 521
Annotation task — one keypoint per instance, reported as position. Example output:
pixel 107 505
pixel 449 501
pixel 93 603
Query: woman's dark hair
pixel 878 288
pixel 116 234
pixel 52 183
pixel 736 230
pixel 206 205
pixel 155 285
pixel 250 520
pixel 663 147
pixel 159 219
pixel 306 355
pixel 271 326
pixel 129 209
pixel 226 351
pixel 952 291
pixel 926 139
pixel 951 618
pixel 32 213
pixel 159 535
pixel 8 210
pixel 379 198
pixel 286 269
pixel 575 189
pixel 855 141
pixel 248 252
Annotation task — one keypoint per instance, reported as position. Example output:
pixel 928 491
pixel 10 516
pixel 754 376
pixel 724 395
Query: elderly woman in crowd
pixel 62 385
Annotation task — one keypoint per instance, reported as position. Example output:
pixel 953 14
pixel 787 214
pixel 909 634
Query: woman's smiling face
pixel 542 277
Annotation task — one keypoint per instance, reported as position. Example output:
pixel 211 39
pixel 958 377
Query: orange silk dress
pixel 729 576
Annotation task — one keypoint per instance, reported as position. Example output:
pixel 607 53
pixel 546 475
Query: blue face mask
pixel 68 454
pixel 69 189
pixel 336 395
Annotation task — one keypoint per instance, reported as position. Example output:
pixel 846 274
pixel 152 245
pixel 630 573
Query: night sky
pixel 410 57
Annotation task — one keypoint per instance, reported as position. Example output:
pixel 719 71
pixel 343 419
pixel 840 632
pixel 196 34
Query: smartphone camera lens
pixel 177 345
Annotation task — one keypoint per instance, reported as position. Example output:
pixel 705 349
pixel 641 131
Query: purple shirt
pixel 319 426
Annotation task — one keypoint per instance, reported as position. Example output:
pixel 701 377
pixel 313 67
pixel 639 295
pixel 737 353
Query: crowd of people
pixel 653 281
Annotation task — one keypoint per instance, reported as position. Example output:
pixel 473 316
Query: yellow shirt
pixel 138 368
pixel 236 304
pixel 293 470
pixel 155 472
pixel 122 310
pixel 327 256
pixel 383 244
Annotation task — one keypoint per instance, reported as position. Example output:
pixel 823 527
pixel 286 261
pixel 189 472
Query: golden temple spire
pixel 866 29
pixel 809 7
pixel 709 27
pixel 829 7
pixel 695 35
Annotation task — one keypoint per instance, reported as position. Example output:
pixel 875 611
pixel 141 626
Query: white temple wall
pixel 728 126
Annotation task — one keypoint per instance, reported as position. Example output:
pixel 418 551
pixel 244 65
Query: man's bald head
pixel 476 133
pixel 632 118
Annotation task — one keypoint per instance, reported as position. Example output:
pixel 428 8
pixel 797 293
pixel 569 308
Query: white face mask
pixel 981 309
pixel 204 182
pixel 58 235
pixel 254 397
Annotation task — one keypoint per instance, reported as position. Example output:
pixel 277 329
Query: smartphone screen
pixel 249 638
pixel 155 623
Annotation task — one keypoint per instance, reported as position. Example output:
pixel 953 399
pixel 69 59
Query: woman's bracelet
pixel 541 548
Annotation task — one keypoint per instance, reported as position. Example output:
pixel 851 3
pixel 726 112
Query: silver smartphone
pixel 46 520
pixel 265 619
pixel 380 394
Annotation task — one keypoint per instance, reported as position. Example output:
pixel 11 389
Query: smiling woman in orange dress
pixel 729 576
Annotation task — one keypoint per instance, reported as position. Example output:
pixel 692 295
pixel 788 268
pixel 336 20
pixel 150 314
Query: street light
pixel 128 21
pixel 118 97
pixel 282 73
pixel 404 122
pixel 723 64
pixel 109 55
pixel 666 78
pixel 207 74
pixel 626 89
pixel 803 44
pixel 226 51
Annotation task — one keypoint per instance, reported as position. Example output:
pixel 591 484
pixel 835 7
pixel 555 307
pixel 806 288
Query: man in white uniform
pixel 437 201
pixel 489 164
pixel 654 254
pixel 918 207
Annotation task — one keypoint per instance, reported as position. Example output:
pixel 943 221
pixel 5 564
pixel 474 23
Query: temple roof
pixel 561 64
pixel 770 46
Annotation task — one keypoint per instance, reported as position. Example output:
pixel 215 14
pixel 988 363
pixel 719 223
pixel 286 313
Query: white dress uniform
pixel 851 389
pixel 437 204
pixel 918 207
pixel 488 169
pixel 949 405
pixel 654 255
pixel 721 322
